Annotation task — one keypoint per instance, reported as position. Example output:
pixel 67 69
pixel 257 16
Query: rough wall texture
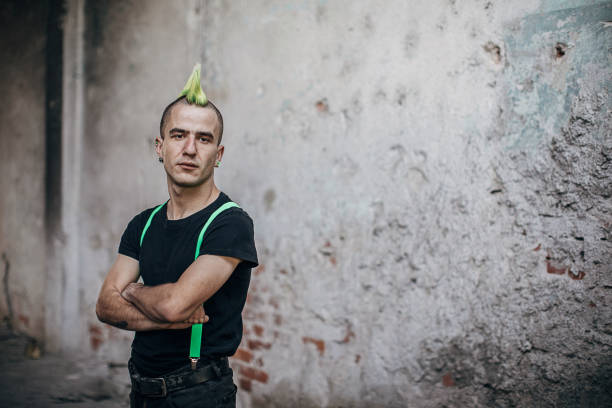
pixel 430 184
pixel 433 208
pixel 22 165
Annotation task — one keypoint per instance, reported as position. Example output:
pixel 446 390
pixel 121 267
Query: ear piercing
pixel 218 163
pixel 160 159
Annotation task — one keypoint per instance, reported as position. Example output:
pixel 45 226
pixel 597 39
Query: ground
pixel 54 380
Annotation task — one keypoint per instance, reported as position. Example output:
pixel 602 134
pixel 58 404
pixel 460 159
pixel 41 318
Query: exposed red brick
pixel 327 244
pixel 538 247
pixel 258 330
pixel 96 342
pixel 322 105
pixel 259 362
pixel 333 260
pixel 249 314
pixel 273 303
pixel 349 334
pixel 259 269
pixel 244 355
pixel 24 319
pixel 245 384
pixel 357 358
pixel 554 270
pixel 254 374
pixel 283 271
pixel 578 276
pixel 254 299
pixel 278 320
pixel 320 344
pixel 96 337
pixel 258 345
pixel 447 380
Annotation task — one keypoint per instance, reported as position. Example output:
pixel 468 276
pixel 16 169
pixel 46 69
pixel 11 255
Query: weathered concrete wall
pixel 22 165
pixel 430 184
pixel 433 199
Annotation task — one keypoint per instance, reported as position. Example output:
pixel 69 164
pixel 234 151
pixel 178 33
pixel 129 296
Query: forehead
pixel 193 118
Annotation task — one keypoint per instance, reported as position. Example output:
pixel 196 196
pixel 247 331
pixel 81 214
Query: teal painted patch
pixel 550 58
pixel 547 6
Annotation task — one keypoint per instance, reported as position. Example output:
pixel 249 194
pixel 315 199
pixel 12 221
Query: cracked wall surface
pixel 434 211
pixel 22 165
pixel 429 181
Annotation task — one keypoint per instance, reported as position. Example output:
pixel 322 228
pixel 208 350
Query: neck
pixel 185 201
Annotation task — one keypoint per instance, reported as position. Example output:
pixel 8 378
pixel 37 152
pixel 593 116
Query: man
pixel 160 244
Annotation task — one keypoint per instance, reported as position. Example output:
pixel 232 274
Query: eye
pixel 176 136
pixel 205 139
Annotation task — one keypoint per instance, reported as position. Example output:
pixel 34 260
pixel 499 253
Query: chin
pixel 187 182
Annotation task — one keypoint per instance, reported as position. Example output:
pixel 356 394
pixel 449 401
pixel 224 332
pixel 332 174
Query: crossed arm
pixel 125 304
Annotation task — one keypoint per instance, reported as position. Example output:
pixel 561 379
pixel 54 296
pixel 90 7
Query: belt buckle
pixel 194 362
pixel 164 389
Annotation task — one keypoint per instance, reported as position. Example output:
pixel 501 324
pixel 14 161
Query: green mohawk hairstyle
pixel 193 90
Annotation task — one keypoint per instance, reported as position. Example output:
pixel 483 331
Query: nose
pixel 190 146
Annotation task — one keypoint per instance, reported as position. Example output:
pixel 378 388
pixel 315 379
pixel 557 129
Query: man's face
pixel 189 147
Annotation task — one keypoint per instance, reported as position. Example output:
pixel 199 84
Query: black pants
pixel 218 392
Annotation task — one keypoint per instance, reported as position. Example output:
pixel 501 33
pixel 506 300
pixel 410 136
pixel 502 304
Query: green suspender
pixel 196 329
pixel 148 224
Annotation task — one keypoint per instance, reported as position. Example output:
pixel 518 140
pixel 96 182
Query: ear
pixel 220 150
pixel 158 146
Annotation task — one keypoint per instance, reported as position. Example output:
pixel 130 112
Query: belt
pixel 176 380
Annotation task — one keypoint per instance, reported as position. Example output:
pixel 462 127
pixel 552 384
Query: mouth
pixel 188 165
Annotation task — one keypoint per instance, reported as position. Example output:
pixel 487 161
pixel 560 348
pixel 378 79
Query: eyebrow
pixel 205 134
pixel 202 133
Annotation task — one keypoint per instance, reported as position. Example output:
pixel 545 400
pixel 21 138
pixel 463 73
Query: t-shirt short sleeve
pixel 130 240
pixel 231 234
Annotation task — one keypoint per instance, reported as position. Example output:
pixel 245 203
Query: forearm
pixel 159 303
pixel 113 309
pixel 175 302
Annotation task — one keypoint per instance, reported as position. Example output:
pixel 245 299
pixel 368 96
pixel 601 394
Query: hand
pixel 176 326
pixel 198 316
pixel 129 290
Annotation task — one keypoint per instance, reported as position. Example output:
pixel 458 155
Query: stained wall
pixel 22 166
pixel 429 181
pixel 431 188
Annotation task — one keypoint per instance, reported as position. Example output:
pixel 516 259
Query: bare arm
pixel 113 309
pixel 174 302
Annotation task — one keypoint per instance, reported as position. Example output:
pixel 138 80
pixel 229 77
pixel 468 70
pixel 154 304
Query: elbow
pixel 104 306
pixel 172 312
pixel 100 312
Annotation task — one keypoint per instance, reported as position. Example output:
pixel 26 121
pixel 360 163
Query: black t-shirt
pixel 167 251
